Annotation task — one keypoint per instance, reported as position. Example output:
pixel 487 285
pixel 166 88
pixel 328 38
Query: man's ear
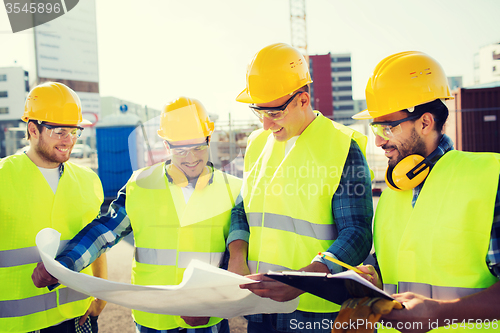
pixel 33 130
pixel 427 123
pixel 304 100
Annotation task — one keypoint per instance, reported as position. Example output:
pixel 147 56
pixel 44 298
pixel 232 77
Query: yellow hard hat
pixel 184 119
pixel 54 102
pixel 275 71
pixel 402 81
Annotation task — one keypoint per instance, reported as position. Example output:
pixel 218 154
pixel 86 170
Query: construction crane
pixel 298 25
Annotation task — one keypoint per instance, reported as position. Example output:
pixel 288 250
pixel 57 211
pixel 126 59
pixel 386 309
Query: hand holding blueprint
pixel 204 291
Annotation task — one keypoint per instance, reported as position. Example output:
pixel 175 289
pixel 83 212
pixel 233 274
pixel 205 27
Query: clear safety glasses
pixel 273 113
pixel 184 150
pixel 389 129
pixel 60 132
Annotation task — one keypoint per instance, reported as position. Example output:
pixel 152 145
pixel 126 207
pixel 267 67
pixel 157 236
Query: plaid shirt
pixel 352 213
pixel 493 256
pixel 98 236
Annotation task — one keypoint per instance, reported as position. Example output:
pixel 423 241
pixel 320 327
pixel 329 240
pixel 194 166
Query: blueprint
pixel 204 291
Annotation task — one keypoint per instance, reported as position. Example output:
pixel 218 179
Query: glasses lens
pixel 63 132
pixel 184 151
pixel 385 131
pixel 270 114
pixel 378 131
pixel 274 113
pixel 257 113
pixel 76 132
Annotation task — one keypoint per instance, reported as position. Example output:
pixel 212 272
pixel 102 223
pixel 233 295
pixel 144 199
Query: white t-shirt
pixel 51 176
pixel 187 191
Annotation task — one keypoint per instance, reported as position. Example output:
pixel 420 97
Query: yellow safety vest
pixel 288 199
pixel 169 233
pixel 28 205
pixel 438 248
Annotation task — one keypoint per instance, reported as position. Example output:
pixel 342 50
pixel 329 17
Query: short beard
pixel 414 145
pixel 42 150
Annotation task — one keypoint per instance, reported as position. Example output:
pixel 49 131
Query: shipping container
pixel 474 121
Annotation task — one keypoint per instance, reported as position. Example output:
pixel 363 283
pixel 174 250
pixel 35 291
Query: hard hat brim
pixel 243 97
pixel 85 122
pixel 365 114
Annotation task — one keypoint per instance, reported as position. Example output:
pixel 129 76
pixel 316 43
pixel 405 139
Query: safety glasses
pixel 389 129
pixel 184 150
pixel 273 113
pixel 60 132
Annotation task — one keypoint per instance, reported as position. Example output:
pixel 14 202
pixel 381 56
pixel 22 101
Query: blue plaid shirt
pixel 352 212
pixel 98 236
pixel 493 256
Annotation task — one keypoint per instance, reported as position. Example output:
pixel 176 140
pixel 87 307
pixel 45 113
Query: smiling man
pixel 178 210
pixel 437 226
pixel 42 189
pixel 306 189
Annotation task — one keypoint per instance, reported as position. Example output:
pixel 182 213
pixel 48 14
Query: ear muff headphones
pixel 178 177
pixel 411 171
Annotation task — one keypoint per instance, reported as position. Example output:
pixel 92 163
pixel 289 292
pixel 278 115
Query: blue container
pixel 114 157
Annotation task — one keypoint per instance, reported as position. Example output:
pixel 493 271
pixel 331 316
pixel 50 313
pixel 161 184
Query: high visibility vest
pixel 27 205
pixel 438 248
pixel 288 200
pixel 169 233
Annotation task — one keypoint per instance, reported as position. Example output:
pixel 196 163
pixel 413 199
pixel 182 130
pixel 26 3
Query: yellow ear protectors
pixel 410 172
pixel 179 178
pixel 407 174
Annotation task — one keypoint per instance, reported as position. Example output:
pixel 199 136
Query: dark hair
pixel 438 110
pixel 304 88
pixel 40 128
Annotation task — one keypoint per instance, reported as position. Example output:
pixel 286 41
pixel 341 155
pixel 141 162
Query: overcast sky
pixel 152 51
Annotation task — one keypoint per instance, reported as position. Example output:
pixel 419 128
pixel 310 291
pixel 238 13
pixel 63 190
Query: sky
pixel 152 51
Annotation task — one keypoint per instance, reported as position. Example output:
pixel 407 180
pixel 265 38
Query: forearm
pixel 480 308
pixel 482 305
pixel 100 270
pixel 239 229
pixel 238 252
pixel 97 237
pixel 100 267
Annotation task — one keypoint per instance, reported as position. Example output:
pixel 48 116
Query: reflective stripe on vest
pixel 24 256
pixel 427 290
pixel 27 306
pixel 288 198
pixel 166 257
pixel 287 223
pixel 24 212
pixel 265 267
pixel 169 232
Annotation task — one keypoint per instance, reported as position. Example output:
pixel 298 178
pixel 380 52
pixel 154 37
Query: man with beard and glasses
pixel 41 189
pixel 178 210
pixel 437 226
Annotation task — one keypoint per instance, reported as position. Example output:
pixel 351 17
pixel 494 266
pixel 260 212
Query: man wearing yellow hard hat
pixel 41 189
pixel 178 210
pixel 437 226
pixel 306 189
